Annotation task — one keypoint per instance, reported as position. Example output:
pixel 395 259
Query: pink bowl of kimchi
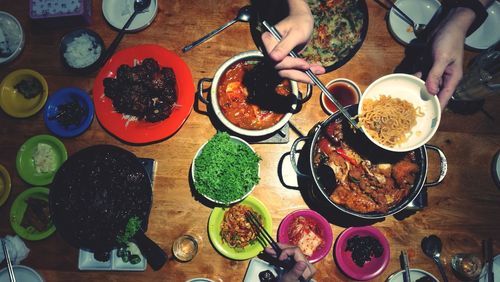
pixel 309 231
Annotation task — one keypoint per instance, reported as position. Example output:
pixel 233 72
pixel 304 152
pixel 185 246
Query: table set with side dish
pixel 142 140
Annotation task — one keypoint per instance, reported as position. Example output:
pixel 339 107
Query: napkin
pixel 17 249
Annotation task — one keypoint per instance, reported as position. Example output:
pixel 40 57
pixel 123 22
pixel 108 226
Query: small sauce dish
pixel 344 90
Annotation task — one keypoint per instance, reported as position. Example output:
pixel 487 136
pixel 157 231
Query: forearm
pixel 463 17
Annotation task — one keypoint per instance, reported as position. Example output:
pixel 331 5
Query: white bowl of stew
pixel 247 112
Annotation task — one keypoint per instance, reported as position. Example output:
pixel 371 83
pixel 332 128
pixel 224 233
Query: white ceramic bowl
pixel 22 273
pixel 193 168
pixel 245 56
pixel 420 12
pixel 13 32
pixel 412 89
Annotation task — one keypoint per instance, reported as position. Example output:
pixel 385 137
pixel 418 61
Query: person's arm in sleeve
pixel 296 30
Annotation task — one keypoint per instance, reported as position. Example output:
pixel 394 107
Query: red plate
pixel 139 132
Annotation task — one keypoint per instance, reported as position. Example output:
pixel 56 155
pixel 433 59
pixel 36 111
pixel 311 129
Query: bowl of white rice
pixel 11 37
pixel 81 50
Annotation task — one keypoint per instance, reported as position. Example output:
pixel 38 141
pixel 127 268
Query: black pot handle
pixel 155 256
pixel 200 89
pixel 308 95
pixel 293 160
pixel 443 166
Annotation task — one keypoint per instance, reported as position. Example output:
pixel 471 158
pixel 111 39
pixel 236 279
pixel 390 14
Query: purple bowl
pixel 371 268
pixel 321 251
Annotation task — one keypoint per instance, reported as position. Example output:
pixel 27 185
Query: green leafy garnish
pixel 226 169
pixel 133 225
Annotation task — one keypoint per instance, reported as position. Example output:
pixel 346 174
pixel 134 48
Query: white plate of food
pixel 487 34
pixel 421 12
pixel 117 12
pixel 411 115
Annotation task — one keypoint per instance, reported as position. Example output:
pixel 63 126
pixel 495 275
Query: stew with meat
pixel 364 184
pixel 249 95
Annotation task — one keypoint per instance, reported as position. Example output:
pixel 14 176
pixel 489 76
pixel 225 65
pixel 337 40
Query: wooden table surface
pixel 462 210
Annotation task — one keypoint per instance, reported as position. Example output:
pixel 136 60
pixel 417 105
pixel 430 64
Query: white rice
pixel 82 51
pixel 44 158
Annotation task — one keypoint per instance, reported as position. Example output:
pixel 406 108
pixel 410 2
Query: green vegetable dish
pixel 338 29
pixel 133 225
pixel 226 169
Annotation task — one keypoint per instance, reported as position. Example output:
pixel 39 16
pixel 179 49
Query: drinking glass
pixel 481 78
pixel 467 266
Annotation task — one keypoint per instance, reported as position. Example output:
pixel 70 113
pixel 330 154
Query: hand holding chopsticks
pixel 315 79
pixel 293 255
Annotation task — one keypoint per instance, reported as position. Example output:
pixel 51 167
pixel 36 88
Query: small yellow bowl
pixel 5 185
pixel 13 102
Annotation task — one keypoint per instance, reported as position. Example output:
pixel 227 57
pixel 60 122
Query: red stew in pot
pixel 233 99
pixel 363 184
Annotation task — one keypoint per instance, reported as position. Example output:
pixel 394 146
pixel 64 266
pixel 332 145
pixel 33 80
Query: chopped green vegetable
pixel 133 225
pixel 226 169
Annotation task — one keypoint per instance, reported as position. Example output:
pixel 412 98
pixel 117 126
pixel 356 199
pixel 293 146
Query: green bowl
pixel 25 164
pixel 18 209
pixel 249 251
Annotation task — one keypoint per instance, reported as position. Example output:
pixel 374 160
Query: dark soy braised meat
pixel 146 91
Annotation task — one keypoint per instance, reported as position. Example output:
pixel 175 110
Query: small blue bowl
pixel 63 96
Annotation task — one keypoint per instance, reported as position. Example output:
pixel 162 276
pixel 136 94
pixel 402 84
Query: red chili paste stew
pixel 239 104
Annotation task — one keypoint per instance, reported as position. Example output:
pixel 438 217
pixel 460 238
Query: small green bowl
pixel 25 164
pixel 18 209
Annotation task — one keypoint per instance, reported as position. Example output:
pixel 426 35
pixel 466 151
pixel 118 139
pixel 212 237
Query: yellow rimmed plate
pixel 13 102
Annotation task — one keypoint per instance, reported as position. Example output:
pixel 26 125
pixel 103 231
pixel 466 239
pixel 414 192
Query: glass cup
pixel 185 248
pixel 481 78
pixel 467 266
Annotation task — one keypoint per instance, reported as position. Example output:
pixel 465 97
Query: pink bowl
pixel 371 268
pixel 321 251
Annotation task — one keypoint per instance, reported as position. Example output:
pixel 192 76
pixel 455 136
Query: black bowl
pixel 96 42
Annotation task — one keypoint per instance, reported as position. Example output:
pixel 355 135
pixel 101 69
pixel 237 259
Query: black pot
pixel 359 141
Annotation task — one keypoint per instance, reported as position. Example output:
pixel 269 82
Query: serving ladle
pixel 417 28
pixel 139 7
pixel 244 15
pixel 431 245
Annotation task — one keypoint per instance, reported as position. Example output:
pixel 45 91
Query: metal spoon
pixel 243 16
pixel 139 7
pixel 417 28
pixel 431 246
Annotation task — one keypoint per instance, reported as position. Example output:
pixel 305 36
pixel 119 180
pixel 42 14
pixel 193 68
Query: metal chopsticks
pixel 9 263
pixel 314 78
pixel 406 266
pixel 488 254
pixel 289 262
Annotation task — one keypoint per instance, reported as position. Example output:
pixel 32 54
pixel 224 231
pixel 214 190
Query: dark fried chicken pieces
pixel 145 91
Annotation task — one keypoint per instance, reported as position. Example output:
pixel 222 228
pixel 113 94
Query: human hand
pixel 296 30
pixel 447 54
pixel 302 266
